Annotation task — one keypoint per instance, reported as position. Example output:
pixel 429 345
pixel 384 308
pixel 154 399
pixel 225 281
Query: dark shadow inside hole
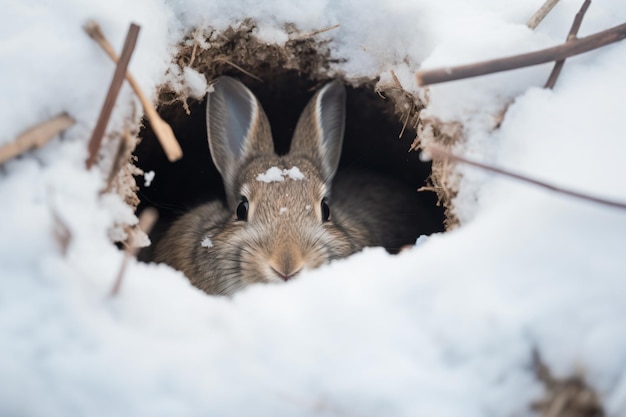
pixel 371 143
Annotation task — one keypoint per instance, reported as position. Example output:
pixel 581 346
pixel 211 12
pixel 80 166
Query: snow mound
pixel 447 328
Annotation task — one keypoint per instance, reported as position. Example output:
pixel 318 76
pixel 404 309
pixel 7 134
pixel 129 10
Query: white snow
pixel 148 177
pixel 196 83
pixel 275 174
pixel 283 210
pixel 294 173
pixel 446 328
pixel 206 242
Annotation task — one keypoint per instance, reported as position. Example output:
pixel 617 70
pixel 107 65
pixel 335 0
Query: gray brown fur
pixel 284 232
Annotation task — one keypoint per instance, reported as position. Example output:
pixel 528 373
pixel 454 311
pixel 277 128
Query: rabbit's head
pixel 282 217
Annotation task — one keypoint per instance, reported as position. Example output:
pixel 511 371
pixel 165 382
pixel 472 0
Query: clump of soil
pixel 565 397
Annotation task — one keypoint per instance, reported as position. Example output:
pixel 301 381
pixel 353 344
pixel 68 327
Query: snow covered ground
pixel 444 329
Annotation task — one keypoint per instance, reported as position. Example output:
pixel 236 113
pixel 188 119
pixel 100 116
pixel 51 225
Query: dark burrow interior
pixel 371 143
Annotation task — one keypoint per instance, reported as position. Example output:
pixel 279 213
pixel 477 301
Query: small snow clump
pixel 195 82
pixel 147 178
pixel 275 174
pixel 206 242
pixel 294 173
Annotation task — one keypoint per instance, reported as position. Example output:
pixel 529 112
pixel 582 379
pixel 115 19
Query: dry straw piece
pixel 540 14
pixel 314 33
pixel 36 137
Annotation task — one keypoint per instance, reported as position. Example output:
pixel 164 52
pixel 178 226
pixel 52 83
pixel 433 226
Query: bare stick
pixel 35 137
pixel 540 14
pixel 316 32
pixel 147 219
pixel 114 89
pixel 571 48
pixel 161 129
pixel 573 32
pixel 438 152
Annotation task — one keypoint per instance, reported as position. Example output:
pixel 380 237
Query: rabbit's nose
pixel 286 267
pixel 285 275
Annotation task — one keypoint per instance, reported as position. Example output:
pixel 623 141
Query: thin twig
pixel 438 152
pixel 568 49
pixel 232 64
pixel 398 85
pixel 123 149
pixel 396 80
pixel 314 33
pixel 194 49
pixel 540 14
pixel 114 89
pixel 161 129
pixel 406 121
pixel 147 219
pixel 573 32
pixel 578 20
pixel 35 137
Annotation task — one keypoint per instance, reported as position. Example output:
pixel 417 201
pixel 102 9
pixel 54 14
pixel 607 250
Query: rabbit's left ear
pixel 320 129
pixel 237 128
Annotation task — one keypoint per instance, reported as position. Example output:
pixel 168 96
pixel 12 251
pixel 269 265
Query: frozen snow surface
pixel 444 329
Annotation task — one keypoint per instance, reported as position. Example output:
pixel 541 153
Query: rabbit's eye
pixel 242 209
pixel 325 210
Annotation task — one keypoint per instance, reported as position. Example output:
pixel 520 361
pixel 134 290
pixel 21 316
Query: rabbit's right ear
pixel 237 128
pixel 320 129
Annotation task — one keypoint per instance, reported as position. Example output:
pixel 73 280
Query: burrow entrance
pixel 285 78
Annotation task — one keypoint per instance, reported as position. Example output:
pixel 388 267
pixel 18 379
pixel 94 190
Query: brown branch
pixel 573 32
pixel 540 14
pixel 566 50
pixel 35 137
pixel 438 152
pixel 161 129
pixel 147 219
pixel 114 89
pixel 578 20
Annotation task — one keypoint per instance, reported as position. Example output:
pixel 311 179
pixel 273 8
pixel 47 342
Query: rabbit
pixel 282 214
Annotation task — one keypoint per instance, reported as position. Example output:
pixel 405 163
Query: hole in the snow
pixel 291 73
pixel 371 143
